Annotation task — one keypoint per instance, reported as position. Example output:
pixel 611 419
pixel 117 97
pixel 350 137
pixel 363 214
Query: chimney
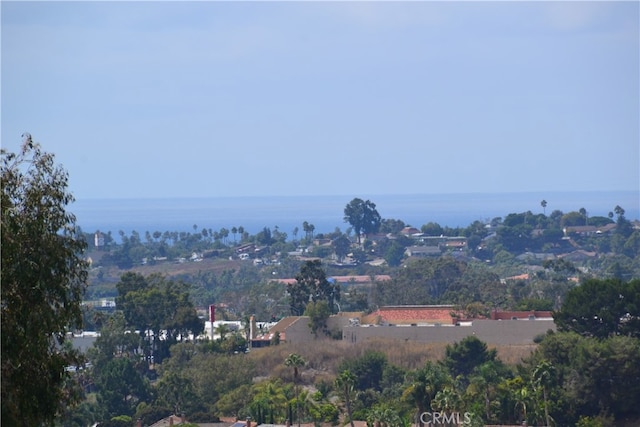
pixel 248 421
pixel 252 327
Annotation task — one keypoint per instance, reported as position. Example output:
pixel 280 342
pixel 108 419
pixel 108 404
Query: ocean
pixel 326 212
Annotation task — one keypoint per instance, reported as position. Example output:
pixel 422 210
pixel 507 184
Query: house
pixel 520 277
pixel 535 257
pixel 589 230
pixel 578 256
pixel 321 242
pixel 422 251
pixel 410 231
pixel 456 243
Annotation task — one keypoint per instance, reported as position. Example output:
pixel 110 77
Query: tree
pixel 363 217
pixel 432 229
pixel 542 379
pixel 483 383
pixel 463 357
pixel 43 279
pixel 158 307
pixel 269 397
pixel 318 313
pixel 394 254
pixel 367 370
pixel 345 382
pixel 600 308
pixel 120 387
pixel 391 225
pixel 295 361
pixel 424 384
pixel 308 230
pixel 341 246
pixel 312 285
pixel 543 203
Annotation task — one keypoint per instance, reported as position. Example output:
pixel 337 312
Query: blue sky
pixel 206 99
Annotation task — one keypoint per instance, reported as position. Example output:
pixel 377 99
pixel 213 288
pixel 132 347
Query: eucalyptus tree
pixel 44 276
pixel 363 217
pixel 312 285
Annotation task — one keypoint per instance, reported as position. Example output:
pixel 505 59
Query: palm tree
pixel 295 361
pixel 270 394
pixel 425 384
pixel 521 396
pixel 345 382
pixel 484 383
pixel 544 207
pixel 542 377
pixel 447 400
pixel 382 415
pixel 583 212
pixel 223 330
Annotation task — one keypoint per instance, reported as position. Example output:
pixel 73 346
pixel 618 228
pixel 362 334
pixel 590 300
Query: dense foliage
pixel 43 280
pixel 602 308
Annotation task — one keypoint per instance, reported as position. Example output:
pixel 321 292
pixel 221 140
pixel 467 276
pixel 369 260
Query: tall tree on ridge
pixel 363 217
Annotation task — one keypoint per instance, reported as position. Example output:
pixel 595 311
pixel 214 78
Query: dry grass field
pixel 324 356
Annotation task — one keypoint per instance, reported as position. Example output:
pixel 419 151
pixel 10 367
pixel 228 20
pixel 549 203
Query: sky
pixel 216 99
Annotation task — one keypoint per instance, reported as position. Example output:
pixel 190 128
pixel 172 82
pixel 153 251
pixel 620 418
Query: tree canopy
pixel 43 280
pixel 312 285
pixel 363 217
pixel 601 308
pixel 159 306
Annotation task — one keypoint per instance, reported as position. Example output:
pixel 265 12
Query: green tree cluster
pixel 569 379
pixel 160 310
pixel 601 309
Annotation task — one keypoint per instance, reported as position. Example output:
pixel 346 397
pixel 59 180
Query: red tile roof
pixel 413 314
pixel 508 315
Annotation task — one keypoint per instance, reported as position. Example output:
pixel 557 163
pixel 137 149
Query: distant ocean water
pixel 326 212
